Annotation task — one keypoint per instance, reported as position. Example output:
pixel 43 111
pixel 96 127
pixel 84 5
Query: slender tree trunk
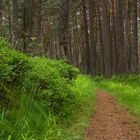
pixel 92 34
pixel 106 38
pixel 114 51
pixel 134 49
pixel 128 35
pixel 86 38
pixel 82 48
pixel 39 19
pixel 0 17
pixel 120 36
pixel 8 7
pixel 24 27
pixel 29 19
pixel 99 41
pixel 15 19
pixel 63 27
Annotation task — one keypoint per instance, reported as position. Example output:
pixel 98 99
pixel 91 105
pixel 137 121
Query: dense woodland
pixel 99 37
pixel 63 60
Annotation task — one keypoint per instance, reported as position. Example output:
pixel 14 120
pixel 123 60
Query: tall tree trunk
pixel 128 42
pixel 134 49
pixel 114 41
pixel 15 19
pixel 39 19
pixel 92 13
pixel 0 17
pixel 24 27
pixel 106 38
pixel 82 42
pixel 63 27
pixel 120 36
pixel 29 15
pixel 101 68
pixel 27 23
pixel 86 38
pixel 8 7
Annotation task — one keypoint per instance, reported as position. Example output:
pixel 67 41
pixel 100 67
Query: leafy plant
pixel 41 99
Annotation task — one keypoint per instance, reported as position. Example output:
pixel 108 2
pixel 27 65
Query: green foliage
pixel 12 64
pixel 40 97
pixel 84 89
pixel 126 90
pixel 132 80
pixel 48 79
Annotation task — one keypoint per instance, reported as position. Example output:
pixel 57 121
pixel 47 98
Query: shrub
pixel 52 88
pixel 39 97
pixel 48 80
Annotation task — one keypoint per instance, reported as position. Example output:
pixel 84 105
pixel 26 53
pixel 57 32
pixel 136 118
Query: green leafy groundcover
pixel 41 99
pixel 125 88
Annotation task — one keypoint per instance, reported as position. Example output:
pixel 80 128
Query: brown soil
pixel 111 122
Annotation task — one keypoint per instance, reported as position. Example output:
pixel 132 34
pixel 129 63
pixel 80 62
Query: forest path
pixel 111 121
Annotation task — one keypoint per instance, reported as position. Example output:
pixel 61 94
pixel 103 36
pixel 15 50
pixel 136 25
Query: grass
pixel 125 89
pixel 84 87
pixel 30 122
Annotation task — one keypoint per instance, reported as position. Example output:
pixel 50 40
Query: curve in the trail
pixel 111 121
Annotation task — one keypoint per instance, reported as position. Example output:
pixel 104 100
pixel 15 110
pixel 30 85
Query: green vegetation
pixel 42 99
pixel 125 88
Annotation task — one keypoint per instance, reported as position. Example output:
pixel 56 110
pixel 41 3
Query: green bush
pixel 12 64
pixel 48 79
pixel 13 67
pixel 51 87
pixel 40 97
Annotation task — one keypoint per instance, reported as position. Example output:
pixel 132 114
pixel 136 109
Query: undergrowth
pixel 42 99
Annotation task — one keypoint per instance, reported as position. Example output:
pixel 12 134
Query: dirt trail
pixel 111 122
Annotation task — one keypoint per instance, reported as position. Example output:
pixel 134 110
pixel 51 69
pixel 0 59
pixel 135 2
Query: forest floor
pixel 111 121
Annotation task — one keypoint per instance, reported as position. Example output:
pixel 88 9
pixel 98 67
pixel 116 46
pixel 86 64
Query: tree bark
pixel 8 7
pixel 86 38
pixel 0 17
pixel 92 13
pixel 63 27
pixel 39 19
pixel 134 49
pixel 120 36
pixel 106 38
pixel 15 19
